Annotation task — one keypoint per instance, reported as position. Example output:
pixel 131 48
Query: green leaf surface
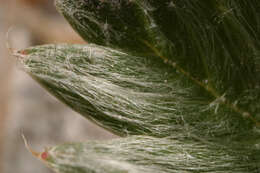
pixel 129 94
pixel 214 40
pixel 183 74
pixel 149 154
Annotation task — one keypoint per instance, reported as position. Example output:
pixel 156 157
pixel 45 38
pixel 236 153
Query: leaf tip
pixel 44 155
pixel 20 54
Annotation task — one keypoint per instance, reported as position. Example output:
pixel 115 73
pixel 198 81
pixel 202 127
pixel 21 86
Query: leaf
pixel 123 93
pixel 108 22
pixel 149 154
pixel 131 95
pixel 206 38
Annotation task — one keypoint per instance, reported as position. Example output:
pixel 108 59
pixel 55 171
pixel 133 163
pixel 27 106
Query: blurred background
pixel 26 108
